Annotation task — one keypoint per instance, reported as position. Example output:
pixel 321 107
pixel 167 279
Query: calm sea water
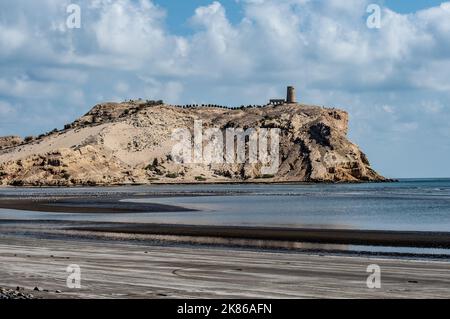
pixel 422 205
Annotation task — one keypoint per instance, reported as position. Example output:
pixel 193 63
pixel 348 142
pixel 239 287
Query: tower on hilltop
pixel 290 98
pixel 291 95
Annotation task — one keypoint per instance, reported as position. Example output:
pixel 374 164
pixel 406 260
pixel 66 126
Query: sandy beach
pixel 121 270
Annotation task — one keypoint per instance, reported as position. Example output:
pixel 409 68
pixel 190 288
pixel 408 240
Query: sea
pixel 407 205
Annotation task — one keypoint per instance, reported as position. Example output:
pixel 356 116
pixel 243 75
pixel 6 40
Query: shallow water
pixel 416 205
pixel 410 205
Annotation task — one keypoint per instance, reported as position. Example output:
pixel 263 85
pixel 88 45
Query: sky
pixel 393 80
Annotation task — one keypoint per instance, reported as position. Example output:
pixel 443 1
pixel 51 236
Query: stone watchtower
pixel 290 95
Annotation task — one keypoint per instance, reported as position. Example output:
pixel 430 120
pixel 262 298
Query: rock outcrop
pixel 10 141
pixel 130 143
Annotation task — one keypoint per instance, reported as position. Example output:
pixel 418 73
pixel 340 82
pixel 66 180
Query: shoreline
pixel 111 204
pixel 411 239
pixel 275 237
pixel 73 231
pixel 181 183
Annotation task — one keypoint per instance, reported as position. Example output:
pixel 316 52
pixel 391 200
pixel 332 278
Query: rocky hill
pixel 130 143
pixel 10 141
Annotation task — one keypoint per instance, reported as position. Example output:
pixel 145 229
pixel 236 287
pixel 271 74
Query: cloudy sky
pixel 394 81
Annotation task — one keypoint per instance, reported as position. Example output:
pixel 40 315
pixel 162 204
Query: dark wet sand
pixel 320 236
pixel 88 205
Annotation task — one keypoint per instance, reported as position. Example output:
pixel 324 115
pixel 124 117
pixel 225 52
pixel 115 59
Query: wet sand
pixel 121 270
pixel 86 205
pixel 319 236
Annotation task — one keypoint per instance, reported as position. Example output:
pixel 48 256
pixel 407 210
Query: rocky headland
pixel 130 143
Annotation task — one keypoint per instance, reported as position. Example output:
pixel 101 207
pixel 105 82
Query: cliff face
pixel 125 143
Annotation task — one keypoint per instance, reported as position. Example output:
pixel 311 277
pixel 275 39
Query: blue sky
pixel 179 12
pixel 394 81
pixel 409 6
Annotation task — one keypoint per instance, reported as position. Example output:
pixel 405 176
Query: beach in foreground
pixel 123 270
pixel 228 241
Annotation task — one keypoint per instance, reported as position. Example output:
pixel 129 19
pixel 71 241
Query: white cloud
pixel 127 29
pixel 20 87
pixel 11 39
